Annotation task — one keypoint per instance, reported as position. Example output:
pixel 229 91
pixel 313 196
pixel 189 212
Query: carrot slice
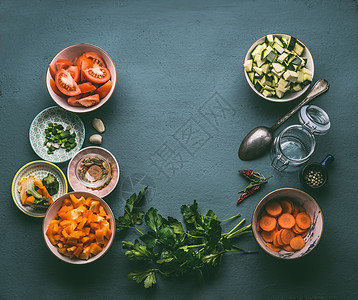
pixel 279 240
pixel 268 235
pixel 297 243
pixel 272 247
pixel 288 248
pixel 273 208
pixel 287 235
pixel 275 241
pixel 287 206
pixel 303 220
pixel 297 229
pixel 286 220
pixel 304 234
pixel 268 223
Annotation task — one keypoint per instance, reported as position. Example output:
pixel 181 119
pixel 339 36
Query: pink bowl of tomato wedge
pixel 81 78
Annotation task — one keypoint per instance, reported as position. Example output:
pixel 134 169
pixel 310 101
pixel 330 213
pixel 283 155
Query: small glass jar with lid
pixel 295 144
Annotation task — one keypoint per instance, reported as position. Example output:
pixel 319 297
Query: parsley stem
pixel 227 234
pixel 242 250
pixel 238 215
pixel 133 227
pixel 193 246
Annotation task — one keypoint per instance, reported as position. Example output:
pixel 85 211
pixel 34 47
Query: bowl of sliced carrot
pixel 81 78
pixel 287 223
pixel 79 227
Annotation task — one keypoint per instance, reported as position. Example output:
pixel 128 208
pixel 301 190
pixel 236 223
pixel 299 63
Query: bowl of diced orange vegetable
pixel 81 78
pixel 79 227
pixel 287 223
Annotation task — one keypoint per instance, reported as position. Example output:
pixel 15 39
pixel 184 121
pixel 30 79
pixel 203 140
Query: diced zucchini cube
pixel 284 42
pixel 258 70
pixel 290 76
pixel 248 65
pixel 307 79
pixel 258 87
pixel 298 48
pixel 306 71
pixel 271 56
pixel 278 47
pixel 278 67
pixel 297 87
pixel 265 68
pixel 251 76
pixel 269 39
pixel 291 43
pixel 259 61
pixel 282 82
pixel 277 41
pixel 300 76
pixel 266 93
pixel 282 57
pixel 279 94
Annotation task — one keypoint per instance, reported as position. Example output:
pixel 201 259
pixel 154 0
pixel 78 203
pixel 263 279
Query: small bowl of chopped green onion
pixel 56 134
pixel 279 67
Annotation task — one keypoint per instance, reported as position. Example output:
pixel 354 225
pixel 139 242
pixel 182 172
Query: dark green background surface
pixel 177 61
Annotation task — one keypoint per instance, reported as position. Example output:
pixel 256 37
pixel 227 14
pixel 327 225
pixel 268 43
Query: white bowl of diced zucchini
pixel 279 67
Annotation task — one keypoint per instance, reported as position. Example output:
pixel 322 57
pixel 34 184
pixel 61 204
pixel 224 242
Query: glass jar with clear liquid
pixel 295 144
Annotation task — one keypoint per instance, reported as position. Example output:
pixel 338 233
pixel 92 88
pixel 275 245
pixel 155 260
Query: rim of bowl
pixel 275 99
pixel 256 214
pixel 84 109
pixel 80 261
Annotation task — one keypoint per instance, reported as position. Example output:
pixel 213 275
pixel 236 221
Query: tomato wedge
pixel 97 74
pixel 87 87
pixel 105 89
pixel 63 64
pixel 86 101
pixel 75 72
pixel 66 84
pixel 96 59
pixel 52 70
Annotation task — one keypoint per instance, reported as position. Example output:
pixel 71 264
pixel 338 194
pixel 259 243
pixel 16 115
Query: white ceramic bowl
pixel 288 96
pixel 312 209
pixel 51 215
pixel 70 53
pixel 40 169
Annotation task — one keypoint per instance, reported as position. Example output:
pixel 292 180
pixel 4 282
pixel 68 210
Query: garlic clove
pixel 98 125
pixel 95 139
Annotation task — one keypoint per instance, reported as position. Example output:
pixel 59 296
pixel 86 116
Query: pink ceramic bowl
pixel 51 215
pixel 69 53
pixel 312 209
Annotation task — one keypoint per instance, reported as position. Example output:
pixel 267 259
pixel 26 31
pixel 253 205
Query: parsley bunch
pixel 170 250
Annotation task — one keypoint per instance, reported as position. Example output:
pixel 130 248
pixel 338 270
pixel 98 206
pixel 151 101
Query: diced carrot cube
pixel 99 236
pixel 108 233
pixel 95 248
pixel 94 206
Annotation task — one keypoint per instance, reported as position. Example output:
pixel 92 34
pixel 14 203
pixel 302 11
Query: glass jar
pixel 295 144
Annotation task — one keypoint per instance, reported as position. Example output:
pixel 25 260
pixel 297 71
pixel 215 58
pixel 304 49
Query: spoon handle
pixel 320 87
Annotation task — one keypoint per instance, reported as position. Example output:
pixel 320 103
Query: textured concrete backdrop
pixel 176 119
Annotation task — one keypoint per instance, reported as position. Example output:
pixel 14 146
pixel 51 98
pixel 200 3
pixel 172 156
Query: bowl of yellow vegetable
pixel 79 227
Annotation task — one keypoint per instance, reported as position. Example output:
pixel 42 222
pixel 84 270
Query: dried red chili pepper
pixel 248 193
pixel 247 173
pixel 256 181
